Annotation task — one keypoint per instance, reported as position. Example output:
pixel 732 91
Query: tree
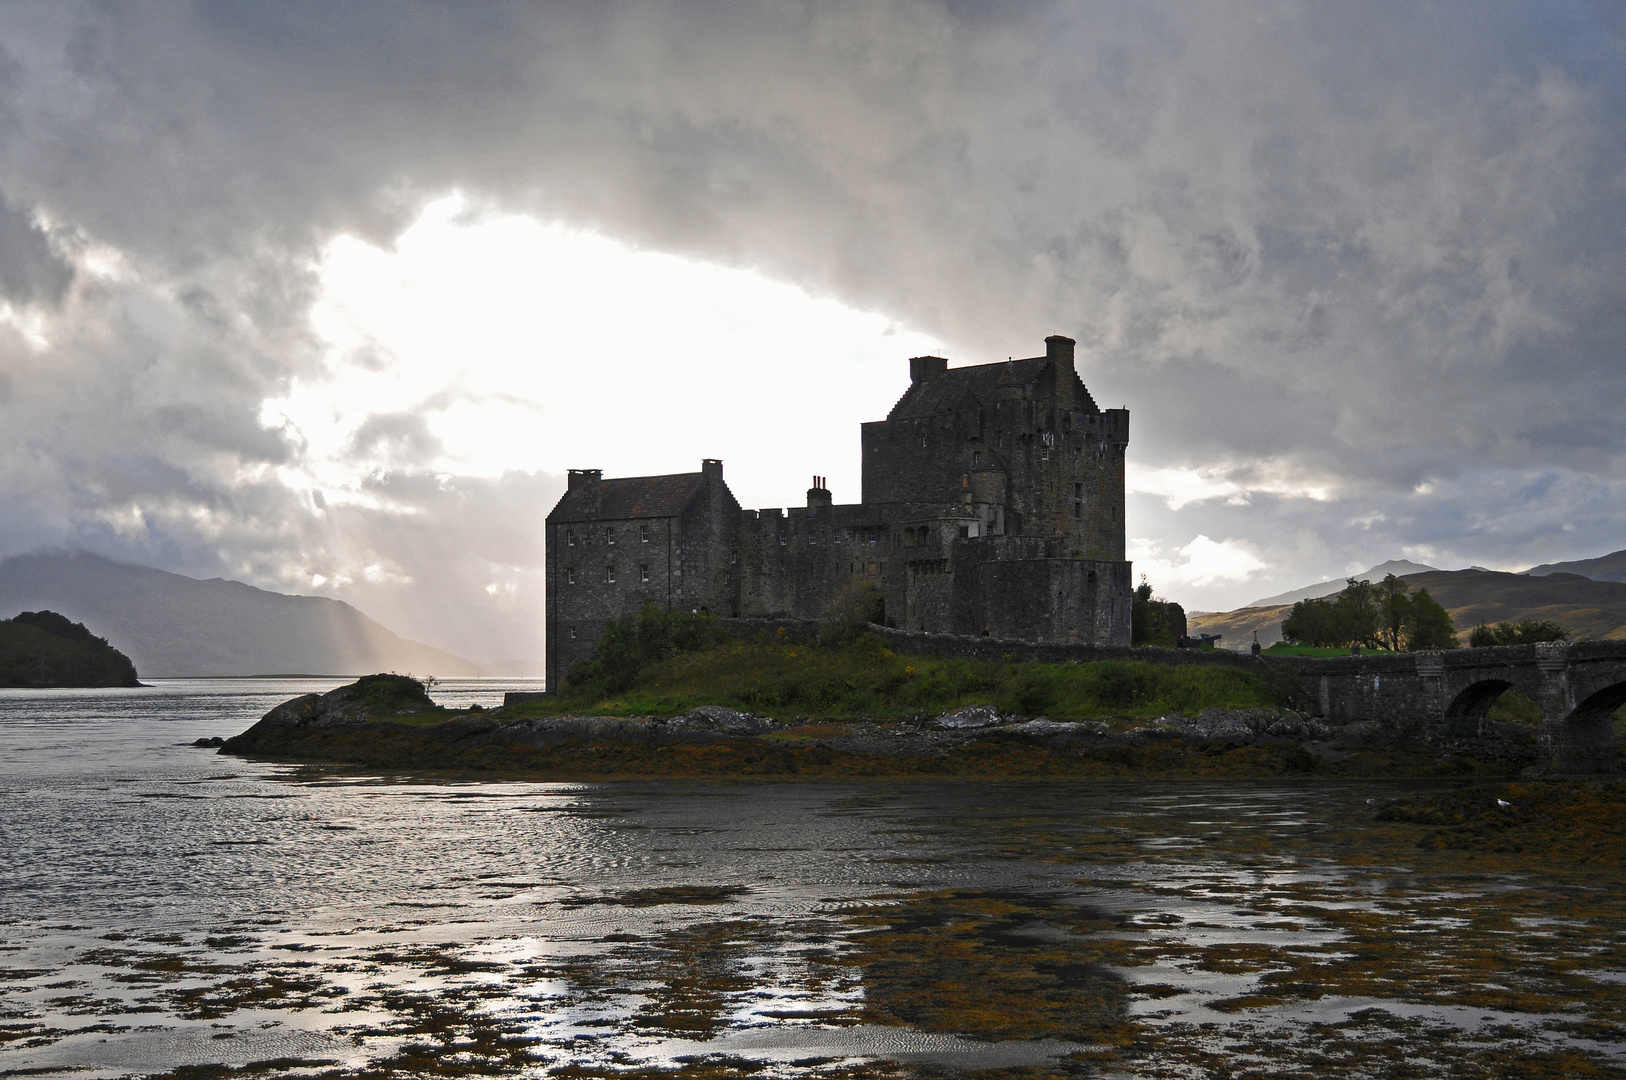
pixel 1394 611
pixel 1380 616
pixel 1155 621
pixel 1311 622
pixel 1429 625
pixel 632 642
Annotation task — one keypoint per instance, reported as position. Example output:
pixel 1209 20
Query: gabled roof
pixel 630 497
pixel 942 392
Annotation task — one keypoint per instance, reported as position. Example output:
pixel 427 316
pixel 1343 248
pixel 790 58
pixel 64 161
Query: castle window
pixel 1078 491
pixel 1044 453
pixel 923 440
pixel 609 535
pixel 965 532
pixel 1078 508
pixel 609 573
pixel 643 572
pixel 836 538
pixel 643 534
pixel 570 538
pixel 572 633
pixel 570 575
pixel 976 457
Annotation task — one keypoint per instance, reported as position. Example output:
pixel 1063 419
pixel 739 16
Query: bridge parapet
pixel 1447 694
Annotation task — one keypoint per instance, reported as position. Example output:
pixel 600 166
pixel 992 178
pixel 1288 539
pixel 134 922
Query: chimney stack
pixel 1059 351
pixel 818 495
pixel 586 483
pixel 922 368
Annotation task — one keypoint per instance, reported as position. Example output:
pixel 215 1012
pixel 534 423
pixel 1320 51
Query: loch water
pixel 167 910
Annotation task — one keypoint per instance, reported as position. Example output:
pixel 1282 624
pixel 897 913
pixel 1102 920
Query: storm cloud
pixel 1357 269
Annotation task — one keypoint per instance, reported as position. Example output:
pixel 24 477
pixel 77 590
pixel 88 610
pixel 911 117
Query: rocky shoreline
pixel 402 730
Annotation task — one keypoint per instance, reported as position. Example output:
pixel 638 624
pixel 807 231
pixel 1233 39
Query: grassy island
pixel 671 695
pixel 44 649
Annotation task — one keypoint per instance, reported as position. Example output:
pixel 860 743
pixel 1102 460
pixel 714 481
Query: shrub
pixel 1520 632
pixel 850 613
pixel 632 642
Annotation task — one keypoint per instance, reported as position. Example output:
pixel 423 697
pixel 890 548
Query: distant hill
pixel 171 625
pixel 1587 608
pixel 1397 567
pixel 42 648
pixel 1610 567
pixel 1236 628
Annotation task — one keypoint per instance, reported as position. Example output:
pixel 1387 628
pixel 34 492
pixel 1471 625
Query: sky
pixel 327 298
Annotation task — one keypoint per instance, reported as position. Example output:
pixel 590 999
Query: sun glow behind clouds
pixel 478 346
pixel 1200 563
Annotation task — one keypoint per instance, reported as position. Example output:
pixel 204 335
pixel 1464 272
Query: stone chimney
pixel 922 368
pixel 712 468
pixel 818 495
pixel 585 482
pixel 1059 351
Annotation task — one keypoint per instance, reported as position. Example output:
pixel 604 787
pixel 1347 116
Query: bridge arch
pixel 1465 716
pixel 1600 706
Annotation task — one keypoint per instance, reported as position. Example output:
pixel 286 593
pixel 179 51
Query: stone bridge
pixel 1445 695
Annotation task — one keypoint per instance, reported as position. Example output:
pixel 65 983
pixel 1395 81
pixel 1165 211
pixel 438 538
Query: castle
pixel 992 503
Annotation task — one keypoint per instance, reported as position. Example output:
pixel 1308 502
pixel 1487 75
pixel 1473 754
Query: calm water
pixel 162 906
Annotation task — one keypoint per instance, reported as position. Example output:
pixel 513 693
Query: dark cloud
pixel 1378 245
pixel 31 271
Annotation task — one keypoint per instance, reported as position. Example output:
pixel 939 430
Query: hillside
pixel 1398 567
pixel 1587 608
pixel 1236 628
pixel 1610 567
pixel 171 625
pixel 41 648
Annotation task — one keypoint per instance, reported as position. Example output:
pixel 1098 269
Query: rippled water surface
pixel 163 908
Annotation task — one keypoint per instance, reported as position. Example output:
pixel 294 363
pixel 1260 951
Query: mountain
pixel 1610 567
pixel 1587 608
pixel 1397 567
pixel 171 625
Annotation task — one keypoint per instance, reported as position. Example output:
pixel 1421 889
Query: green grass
pixel 1282 648
pixel 866 679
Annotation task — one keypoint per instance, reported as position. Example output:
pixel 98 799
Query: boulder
pixel 716 718
pixel 970 718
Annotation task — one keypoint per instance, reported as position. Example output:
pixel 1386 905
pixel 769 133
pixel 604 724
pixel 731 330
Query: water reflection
pixel 163 906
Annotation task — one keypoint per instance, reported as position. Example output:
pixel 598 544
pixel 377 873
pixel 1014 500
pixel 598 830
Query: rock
pixel 1155 733
pixel 1294 726
pixel 969 718
pixel 717 718
pixel 1042 728
pixel 215 741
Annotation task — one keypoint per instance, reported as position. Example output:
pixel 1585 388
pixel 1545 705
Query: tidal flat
pixel 166 912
